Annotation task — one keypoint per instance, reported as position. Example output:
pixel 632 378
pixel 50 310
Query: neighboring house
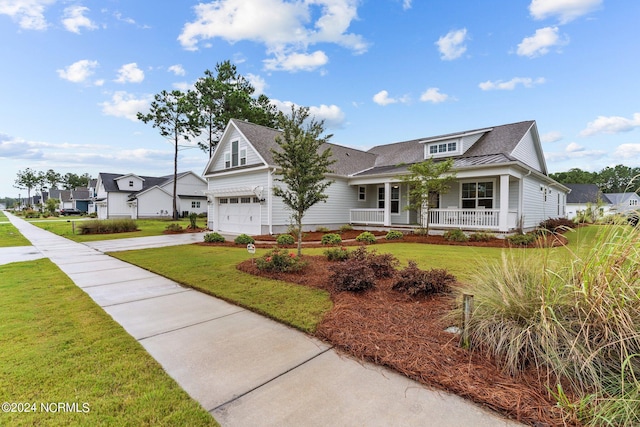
pixel 622 203
pixel 586 196
pixel 502 183
pixel 133 196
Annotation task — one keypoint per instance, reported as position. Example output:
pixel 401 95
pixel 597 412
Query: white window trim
pixel 227 159
pixel 242 156
pixel 445 143
pixel 399 199
pixel 364 199
pixel 476 181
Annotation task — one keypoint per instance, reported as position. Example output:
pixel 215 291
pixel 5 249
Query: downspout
pixel 270 200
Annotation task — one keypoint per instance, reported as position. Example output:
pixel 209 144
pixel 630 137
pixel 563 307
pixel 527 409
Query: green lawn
pixel 212 270
pixel 68 227
pixel 59 346
pixel 10 236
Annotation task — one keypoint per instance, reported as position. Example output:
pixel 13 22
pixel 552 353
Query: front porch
pixel 466 219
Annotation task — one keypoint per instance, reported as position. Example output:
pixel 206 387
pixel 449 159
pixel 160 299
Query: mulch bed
pixel 408 335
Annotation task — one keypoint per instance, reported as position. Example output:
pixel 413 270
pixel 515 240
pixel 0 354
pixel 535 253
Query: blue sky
pixel 74 74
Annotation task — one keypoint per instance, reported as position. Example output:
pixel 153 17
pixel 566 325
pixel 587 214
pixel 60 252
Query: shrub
pixel 382 265
pixel 337 254
pixel 107 226
pixel 353 275
pixel 418 282
pixel 481 236
pixel 285 239
pixel 346 227
pixel 456 235
pixel 193 217
pixel 577 318
pixel 243 239
pixel 331 239
pixel 557 225
pixel 521 239
pixel 202 215
pixel 394 235
pixel 214 238
pixel 174 227
pixel 322 229
pixel 279 260
pixel 30 213
pixel 366 237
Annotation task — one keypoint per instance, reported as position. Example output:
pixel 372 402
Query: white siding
pixel 469 140
pixel 155 204
pixel 234 135
pixel 187 185
pixel 129 183
pixel 535 208
pixel 117 205
pixel 526 152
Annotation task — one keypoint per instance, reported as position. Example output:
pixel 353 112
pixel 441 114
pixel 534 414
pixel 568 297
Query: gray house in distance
pixel 501 184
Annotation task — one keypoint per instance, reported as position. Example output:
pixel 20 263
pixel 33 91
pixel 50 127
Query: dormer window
pixel 130 183
pixel 236 156
pixel 443 148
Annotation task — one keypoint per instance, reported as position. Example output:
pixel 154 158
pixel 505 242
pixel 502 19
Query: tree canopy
pixel 303 165
pixel 617 179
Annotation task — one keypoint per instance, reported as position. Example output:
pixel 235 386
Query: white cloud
pixel 628 152
pixel 28 13
pixel 286 28
pixel 611 124
pixel 451 45
pixel 565 10
pixel 383 98
pixel 511 84
pixel 79 71
pixel 540 43
pixel 553 136
pixel 406 4
pixel 574 151
pixel 297 61
pixel 130 73
pixel 126 105
pixel 177 69
pixel 74 19
pixel 332 115
pixel 258 83
pixel 433 95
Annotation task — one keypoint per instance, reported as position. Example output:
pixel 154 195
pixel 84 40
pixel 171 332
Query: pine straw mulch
pixel 408 335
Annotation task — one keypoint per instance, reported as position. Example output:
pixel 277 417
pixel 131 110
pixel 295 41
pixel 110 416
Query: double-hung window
pixel 236 157
pixel 394 199
pixel 477 194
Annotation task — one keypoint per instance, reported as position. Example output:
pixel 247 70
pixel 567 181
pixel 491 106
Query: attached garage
pixel 239 214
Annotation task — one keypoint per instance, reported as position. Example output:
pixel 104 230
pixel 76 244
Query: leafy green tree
pixel 618 179
pixel 174 114
pixel 226 95
pixel 26 180
pixel 51 205
pixel 71 180
pixel 303 163
pixel 426 180
pixel 575 176
pixel 52 179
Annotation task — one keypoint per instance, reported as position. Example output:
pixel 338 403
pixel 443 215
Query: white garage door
pixel 239 214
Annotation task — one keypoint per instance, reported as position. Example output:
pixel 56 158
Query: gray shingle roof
pixel 584 193
pixel 110 185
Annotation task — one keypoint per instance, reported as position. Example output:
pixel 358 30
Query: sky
pixel 74 74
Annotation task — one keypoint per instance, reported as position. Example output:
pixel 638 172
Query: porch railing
pixel 367 216
pixel 464 218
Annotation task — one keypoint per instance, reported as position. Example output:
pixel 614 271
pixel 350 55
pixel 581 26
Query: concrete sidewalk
pixel 247 370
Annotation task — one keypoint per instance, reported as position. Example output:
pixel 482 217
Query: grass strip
pixel 58 346
pixel 212 269
pixel 10 236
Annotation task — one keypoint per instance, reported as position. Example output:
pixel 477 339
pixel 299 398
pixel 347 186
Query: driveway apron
pixel 245 369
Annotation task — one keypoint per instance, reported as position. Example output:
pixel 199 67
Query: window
pixel 195 204
pixel 633 202
pixel 234 153
pixel 256 200
pixel 236 157
pixel 362 194
pixel 130 183
pixel 233 200
pixel 224 201
pixel 477 194
pixel 443 147
pixel 395 199
pixel 245 199
pixel 227 159
pixel 243 157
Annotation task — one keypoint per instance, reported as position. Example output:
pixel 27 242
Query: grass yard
pixel 147 227
pixel 10 236
pixel 212 269
pixel 59 346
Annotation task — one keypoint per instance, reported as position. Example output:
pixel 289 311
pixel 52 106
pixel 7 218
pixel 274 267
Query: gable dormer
pixel 451 145
pixel 129 182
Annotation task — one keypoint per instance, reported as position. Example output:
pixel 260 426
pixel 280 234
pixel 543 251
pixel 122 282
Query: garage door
pixel 239 214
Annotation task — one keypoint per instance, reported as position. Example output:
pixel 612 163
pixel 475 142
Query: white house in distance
pixel 501 183
pixel 134 196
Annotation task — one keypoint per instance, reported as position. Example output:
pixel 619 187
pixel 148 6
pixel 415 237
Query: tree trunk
pixel 175 179
pixel 299 225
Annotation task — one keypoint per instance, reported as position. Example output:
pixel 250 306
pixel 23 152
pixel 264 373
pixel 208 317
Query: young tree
pixel 303 164
pixel 426 179
pixel 26 180
pixel 175 117
pixel 228 95
pixel 52 179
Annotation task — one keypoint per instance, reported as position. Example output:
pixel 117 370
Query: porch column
pixel 503 216
pixel 387 204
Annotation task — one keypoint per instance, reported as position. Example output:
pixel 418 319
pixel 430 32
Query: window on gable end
pixel 234 153
pixel 243 156
pixel 227 160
